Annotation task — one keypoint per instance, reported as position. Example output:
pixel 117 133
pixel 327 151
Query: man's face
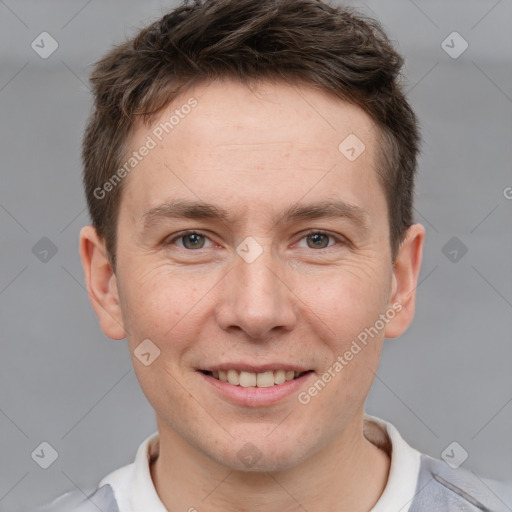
pixel 263 288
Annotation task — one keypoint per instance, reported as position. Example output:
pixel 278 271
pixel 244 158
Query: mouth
pixel 263 379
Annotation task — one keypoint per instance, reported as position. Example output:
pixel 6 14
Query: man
pixel 249 171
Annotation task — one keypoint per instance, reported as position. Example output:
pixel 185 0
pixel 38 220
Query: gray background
pixel 62 381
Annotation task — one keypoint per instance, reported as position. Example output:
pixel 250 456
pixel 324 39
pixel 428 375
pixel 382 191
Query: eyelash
pixel 339 240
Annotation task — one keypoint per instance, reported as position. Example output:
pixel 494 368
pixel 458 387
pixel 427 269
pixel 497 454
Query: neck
pixel 348 474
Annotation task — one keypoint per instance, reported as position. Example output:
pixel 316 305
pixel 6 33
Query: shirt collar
pixel 398 494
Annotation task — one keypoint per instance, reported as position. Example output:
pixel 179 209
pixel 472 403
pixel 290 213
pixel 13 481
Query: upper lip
pixel 255 369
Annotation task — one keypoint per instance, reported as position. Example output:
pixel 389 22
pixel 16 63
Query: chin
pixel 266 464
pixel 259 454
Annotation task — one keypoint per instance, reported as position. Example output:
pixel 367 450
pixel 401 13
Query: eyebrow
pixel 185 209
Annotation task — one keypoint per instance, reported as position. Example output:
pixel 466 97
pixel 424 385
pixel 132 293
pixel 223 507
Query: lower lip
pixel 254 396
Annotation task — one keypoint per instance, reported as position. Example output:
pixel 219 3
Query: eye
pixel 319 239
pixel 190 240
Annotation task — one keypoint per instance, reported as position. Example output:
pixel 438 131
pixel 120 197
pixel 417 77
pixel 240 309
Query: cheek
pixel 346 300
pixel 160 303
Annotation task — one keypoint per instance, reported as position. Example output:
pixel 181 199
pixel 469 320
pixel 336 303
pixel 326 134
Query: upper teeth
pixel 250 379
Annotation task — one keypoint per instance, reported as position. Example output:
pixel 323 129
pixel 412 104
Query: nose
pixel 256 299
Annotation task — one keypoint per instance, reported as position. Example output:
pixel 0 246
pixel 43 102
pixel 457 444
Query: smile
pixel 249 385
pixel 247 379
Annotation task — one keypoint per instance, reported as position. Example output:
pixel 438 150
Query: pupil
pixel 194 238
pixel 318 237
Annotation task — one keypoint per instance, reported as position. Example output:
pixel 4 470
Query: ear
pixel 101 283
pixel 405 280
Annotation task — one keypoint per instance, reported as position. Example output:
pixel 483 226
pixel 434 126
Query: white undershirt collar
pixel 135 491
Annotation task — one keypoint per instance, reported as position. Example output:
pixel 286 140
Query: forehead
pixel 275 141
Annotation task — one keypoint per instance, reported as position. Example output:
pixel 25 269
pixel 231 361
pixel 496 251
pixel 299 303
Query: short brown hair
pixel 334 49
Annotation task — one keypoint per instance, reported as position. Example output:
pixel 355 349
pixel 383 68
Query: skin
pixel 255 152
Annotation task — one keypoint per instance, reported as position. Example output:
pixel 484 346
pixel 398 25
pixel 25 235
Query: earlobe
pixel 405 280
pixel 101 283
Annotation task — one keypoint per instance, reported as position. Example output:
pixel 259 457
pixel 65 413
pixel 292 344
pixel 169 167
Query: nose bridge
pixel 255 299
